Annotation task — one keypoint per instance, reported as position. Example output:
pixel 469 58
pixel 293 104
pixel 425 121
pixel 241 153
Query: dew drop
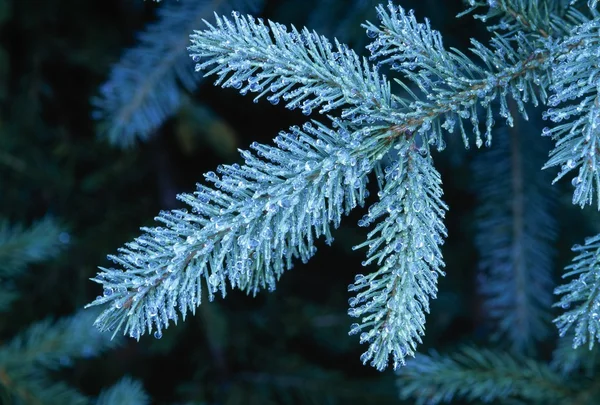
pixel 254 87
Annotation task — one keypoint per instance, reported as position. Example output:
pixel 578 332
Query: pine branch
pixel 146 86
pixel 39 390
pixel 21 247
pixel 479 374
pixel 245 231
pixel 580 297
pixel 126 391
pixel 48 346
pixel 515 235
pixel 301 67
pixel 569 361
pixel 543 18
pixel 392 301
pixel 455 86
pixel 576 76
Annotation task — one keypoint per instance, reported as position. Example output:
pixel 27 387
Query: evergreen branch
pixel 480 374
pixel 245 230
pixel 299 66
pixel 145 86
pixel 38 390
pixel 126 391
pixel 20 247
pixel 46 345
pixel 544 18
pixel 394 299
pixel 583 294
pixel 454 85
pixel 576 75
pixel 54 344
pixel 515 235
pixel 569 361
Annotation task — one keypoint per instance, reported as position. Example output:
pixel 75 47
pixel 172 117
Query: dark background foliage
pixel 287 346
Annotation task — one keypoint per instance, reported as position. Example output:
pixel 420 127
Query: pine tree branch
pixel 576 74
pixel 544 18
pixel 480 374
pixel 569 361
pixel 245 231
pixel 145 87
pixel 47 346
pixel 20 247
pixel 299 66
pixel 454 86
pixel 126 391
pixel 392 301
pixel 515 234
pixel 582 295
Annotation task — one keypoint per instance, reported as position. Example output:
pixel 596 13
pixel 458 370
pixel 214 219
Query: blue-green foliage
pixel 247 228
pixel 580 297
pixel 26 360
pixel 516 229
pixel 569 362
pixel 126 391
pixel 538 18
pixel 404 244
pixel 576 100
pixel 245 231
pixel 301 67
pixel 20 247
pixel 454 86
pixel 477 374
pixel 148 83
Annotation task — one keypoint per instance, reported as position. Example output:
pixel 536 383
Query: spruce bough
pixel 248 223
